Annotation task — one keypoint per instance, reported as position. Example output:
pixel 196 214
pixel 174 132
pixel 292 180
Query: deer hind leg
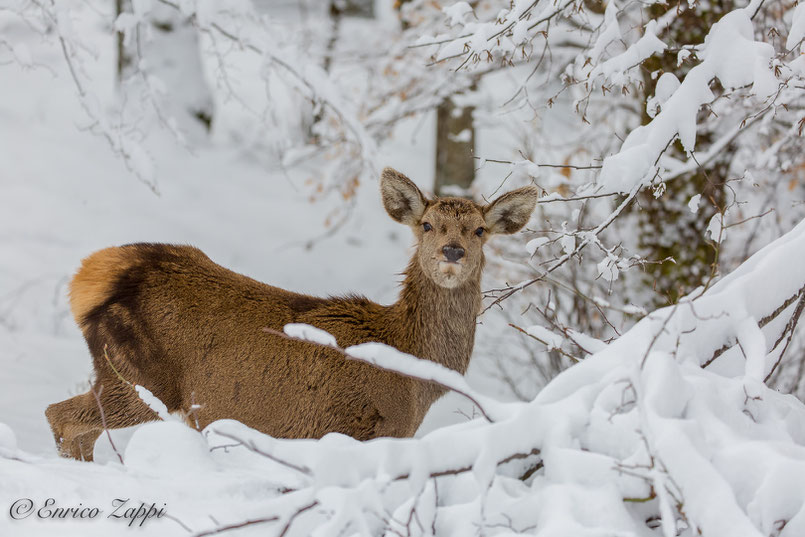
pixel 77 422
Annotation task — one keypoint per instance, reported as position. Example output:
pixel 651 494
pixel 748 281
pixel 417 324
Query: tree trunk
pixel 455 146
pixel 124 59
pixel 357 8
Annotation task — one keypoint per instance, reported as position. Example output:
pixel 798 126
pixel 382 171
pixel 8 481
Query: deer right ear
pixel 510 212
pixel 402 199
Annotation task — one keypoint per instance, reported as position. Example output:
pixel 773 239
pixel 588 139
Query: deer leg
pixel 73 425
pixel 77 422
pixel 82 446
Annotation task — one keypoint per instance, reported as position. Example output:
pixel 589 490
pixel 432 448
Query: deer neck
pixel 435 323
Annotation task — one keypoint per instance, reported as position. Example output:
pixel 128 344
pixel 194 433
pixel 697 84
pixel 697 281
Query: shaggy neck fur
pixel 436 323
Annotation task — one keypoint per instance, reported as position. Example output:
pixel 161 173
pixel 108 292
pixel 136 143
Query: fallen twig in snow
pixel 253 448
pixel 237 526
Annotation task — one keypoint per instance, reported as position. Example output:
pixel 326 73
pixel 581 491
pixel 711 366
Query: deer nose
pixel 453 253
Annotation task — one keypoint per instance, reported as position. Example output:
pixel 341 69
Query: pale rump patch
pixel 94 280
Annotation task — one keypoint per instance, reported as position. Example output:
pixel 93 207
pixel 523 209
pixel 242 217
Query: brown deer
pixel 194 333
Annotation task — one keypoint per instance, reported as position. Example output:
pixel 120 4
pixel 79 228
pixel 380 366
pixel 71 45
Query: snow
pixel 693 204
pixel 667 84
pixel 22 54
pixel 146 454
pixel 648 45
pixel 462 137
pixel 390 358
pixel 457 12
pixel 551 340
pixel 153 402
pixel 753 346
pixel 588 343
pixel 610 33
pixel 715 229
pixel 534 244
pixel 568 243
pixel 631 309
pixel 797 32
pixel 309 333
pixel 525 168
pixel 608 268
pixel 8 442
pixel 736 57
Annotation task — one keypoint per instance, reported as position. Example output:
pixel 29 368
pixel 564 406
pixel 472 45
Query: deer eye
pixel 479 232
pixel 426 226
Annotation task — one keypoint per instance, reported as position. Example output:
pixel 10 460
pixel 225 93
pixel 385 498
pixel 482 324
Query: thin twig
pixel 285 529
pixel 790 327
pixel 469 468
pixel 97 396
pixel 239 525
pixel 763 322
pixel 541 165
pixel 251 447
pixel 532 336
pixel 109 361
pixel 657 335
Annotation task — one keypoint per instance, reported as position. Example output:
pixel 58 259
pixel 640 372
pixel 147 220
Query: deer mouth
pixel 450 268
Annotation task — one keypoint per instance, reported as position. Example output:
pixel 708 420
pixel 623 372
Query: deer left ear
pixel 510 212
pixel 404 202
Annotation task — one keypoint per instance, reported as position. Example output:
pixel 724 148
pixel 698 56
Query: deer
pixel 207 341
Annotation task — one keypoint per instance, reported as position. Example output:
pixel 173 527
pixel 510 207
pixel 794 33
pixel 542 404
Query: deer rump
pixel 194 333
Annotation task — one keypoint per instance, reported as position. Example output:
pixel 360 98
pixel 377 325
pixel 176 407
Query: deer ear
pixel 511 211
pixel 402 199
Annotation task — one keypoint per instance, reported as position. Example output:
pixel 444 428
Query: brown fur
pixel 192 332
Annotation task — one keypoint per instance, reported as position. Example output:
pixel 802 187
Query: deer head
pixel 451 232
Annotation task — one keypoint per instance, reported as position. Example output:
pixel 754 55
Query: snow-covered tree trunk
pixel 159 60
